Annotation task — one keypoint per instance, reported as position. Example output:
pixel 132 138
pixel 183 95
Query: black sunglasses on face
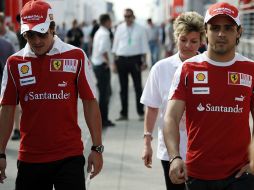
pixel 127 16
pixel 30 34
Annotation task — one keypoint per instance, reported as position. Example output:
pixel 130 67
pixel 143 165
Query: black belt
pixel 129 57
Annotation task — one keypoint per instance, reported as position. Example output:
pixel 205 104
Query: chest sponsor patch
pixel 200 90
pixel 27 81
pixel 63 65
pixel 235 78
pixel 200 77
pixel 25 69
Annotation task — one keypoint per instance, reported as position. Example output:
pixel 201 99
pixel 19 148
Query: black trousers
pixel 169 184
pixel 132 65
pixel 102 74
pixel 64 174
pixel 245 182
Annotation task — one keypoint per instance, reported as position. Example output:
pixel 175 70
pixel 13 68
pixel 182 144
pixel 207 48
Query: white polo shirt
pixel 130 40
pixel 155 95
pixel 101 44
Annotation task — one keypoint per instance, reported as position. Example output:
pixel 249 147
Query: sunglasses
pixel 127 16
pixel 30 35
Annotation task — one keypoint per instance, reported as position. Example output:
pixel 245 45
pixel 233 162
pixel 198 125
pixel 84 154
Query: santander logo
pixel 47 96
pixel 200 107
pixel 217 108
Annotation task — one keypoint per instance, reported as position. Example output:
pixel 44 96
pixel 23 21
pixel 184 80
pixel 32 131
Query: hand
pixel 114 68
pixel 2 170
pixel 143 66
pixel 245 168
pixel 147 156
pixel 178 172
pixel 252 156
pixel 106 65
pixel 95 163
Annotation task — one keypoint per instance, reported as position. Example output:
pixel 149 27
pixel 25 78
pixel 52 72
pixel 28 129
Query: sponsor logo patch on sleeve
pixel 200 90
pixel 235 78
pixel 25 69
pixel 200 77
pixel 27 81
pixel 64 65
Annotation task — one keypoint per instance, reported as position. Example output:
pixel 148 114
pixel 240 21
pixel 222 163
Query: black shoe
pixel 122 118
pixel 108 123
pixel 16 135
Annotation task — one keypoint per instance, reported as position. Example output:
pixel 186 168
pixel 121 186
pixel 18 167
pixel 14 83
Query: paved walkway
pixel 123 168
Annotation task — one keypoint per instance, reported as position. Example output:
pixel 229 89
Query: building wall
pixel 82 10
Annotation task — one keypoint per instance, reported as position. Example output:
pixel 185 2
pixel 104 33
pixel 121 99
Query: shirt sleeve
pixel 86 87
pixel 115 41
pixel 104 44
pixel 178 87
pixel 151 94
pixel 9 94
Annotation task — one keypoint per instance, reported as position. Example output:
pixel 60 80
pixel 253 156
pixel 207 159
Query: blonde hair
pixel 189 22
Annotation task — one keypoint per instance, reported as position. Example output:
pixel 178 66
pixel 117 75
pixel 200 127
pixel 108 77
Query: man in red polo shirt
pixel 46 78
pixel 216 90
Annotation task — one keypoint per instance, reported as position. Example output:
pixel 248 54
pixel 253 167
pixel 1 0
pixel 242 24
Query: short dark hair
pixel 129 10
pixel 52 26
pixel 104 18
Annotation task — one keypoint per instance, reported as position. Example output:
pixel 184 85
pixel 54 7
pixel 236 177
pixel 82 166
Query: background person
pixel 75 35
pixel 6 50
pixel 130 47
pixel 12 38
pixel 153 33
pixel 101 64
pixel 189 33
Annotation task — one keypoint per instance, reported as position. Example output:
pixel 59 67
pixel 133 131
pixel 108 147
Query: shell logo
pixel 200 77
pixel 24 69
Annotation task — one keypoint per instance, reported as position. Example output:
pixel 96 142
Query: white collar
pixel 57 48
pixel 220 64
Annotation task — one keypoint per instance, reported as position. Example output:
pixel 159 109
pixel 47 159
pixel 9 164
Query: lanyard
pixel 129 31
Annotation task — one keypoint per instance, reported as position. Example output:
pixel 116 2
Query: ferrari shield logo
pixel 234 77
pixel 57 64
pixel 64 65
pixel 243 79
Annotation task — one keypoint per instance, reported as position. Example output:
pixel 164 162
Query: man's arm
pixel 6 125
pixel 149 123
pixel 251 149
pixel 93 120
pixel 173 115
pixel 252 114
